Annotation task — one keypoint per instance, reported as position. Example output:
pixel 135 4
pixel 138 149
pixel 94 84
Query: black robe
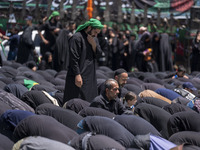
pixel 61 52
pixel 155 115
pixel 136 125
pixel 67 117
pixel 26 46
pixel 40 125
pixel 95 141
pixel 92 111
pixel 109 128
pixel 82 61
pixel 184 121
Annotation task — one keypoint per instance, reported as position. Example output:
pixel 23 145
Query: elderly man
pixel 81 76
pixel 108 99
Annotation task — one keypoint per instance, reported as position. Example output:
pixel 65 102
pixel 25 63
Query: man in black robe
pixel 83 47
pixel 26 44
pixel 108 100
pixel 51 28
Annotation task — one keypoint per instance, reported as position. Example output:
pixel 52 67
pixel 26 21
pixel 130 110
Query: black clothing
pixel 13 101
pixel 67 117
pixel 40 125
pixel 184 121
pixel 16 89
pixel 151 86
pixel 93 111
pixel 35 98
pixel 165 57
pixel 153 101
pixel 26 46
pixel 49 27
pixel 140 46
pixel 176 107
pixel 61 52
pixel 5 143
pixel 136 125
pixel 188 137
pixel 95 142
pixel 114 105
pixel 82 61
pixel 76 104
pixel 195 62
pixel 155 115
pixel 109 128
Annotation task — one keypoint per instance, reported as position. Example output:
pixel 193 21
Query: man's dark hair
pixel 181 68
pixel 119 72
pixel 108 83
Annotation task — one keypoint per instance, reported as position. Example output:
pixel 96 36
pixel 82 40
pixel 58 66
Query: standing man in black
pixel 81 77
pixel 51 27
pixel 26 44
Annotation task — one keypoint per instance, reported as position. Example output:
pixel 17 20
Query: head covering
pixel 119 71
pixel 92 22
pixel 54 14
pixel 29 18
pixel 189 85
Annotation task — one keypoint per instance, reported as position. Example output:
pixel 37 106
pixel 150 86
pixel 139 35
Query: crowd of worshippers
pixel 144 49
pixel 133 110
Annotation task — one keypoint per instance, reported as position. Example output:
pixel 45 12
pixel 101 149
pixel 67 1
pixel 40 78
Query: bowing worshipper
pixel 51 27
pixel 184 121
pixel 120 134
pixel 107 127
pixel 92 141
pixel 5 143
pixel 136 125
pixel 35 98
pixel 150 93
pixel 180 73
pixel 167 93
pixel 155 115
pixel 93 111
pixel 187 91
pixel 10 119
pixel 186 137
pixel 31 65
pixel 83 48
pixel 16 89
pixel 14 102
pixel 133 88
pixel 130 100
pixel 67 117
pixel 26 45
pixel 108 100
pixel 45 126
pixel 76 104
pixel 151 86
pixel 153 101
pixel 176 107
pixel 4 107
pixel 38 142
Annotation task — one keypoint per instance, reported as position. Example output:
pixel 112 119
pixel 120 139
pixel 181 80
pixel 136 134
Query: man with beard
pixel 121 76
pixel 83 47
pixel 108 100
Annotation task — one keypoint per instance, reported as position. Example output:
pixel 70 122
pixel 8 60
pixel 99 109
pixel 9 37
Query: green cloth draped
pixel 1 26
pixel 29 83
pixel 3 48
pixel 54 14
pixel 92 22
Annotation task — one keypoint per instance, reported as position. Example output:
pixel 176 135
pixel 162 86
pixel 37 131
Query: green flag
pixel 29 83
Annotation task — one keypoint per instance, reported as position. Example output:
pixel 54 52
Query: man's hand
pixel 92 42
pixel 78 81
pixel 45 42
pixel 56 30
